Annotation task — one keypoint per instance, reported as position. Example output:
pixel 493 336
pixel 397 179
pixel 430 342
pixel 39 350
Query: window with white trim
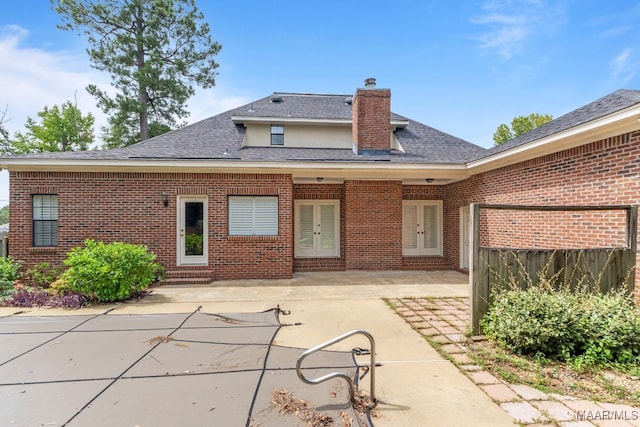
pixel 277 134
pixel 253 215
pixel 422 227
pixel 317 228
pixel 45 219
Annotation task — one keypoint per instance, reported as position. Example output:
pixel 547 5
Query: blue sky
pixel 462 67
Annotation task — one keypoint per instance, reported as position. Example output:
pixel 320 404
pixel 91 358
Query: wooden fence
pixel 580 269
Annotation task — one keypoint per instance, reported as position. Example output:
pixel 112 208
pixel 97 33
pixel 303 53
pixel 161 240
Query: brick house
pixel 305 182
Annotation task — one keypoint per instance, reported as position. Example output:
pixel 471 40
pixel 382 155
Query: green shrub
pixel 42 275
pixel 587 329
pixel 109 272
pixel 609 330
pixel 8 275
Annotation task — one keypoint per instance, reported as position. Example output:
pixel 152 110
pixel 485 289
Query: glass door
pixel 317 228
pixel 192 230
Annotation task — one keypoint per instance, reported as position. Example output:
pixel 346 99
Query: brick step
pixel 189 273
pixel 188 277
pixel 187 281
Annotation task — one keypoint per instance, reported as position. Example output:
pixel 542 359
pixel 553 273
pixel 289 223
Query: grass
pixel 596 384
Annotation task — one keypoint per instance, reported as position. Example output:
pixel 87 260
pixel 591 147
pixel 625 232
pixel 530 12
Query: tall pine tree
pixel 155 52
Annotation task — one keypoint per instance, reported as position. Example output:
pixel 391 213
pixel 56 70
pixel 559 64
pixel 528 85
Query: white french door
pixel 421 227
pixel 192 230
pixel 317 228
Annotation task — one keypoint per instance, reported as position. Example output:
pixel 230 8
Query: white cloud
pixel 209 102
pixel 32 78
pixel 512 24
pixel 623 66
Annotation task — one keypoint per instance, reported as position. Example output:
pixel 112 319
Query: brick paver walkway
pixel 445 320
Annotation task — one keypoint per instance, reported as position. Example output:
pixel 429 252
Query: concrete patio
pixel 415 385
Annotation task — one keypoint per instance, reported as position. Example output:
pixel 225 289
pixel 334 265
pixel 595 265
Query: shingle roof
pixel 218 137
pixel 602 107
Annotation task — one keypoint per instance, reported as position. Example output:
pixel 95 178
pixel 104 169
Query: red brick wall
pixel 601 173
pixel 552 230
pixel 127 207
pixel 373 225
pixel 372 119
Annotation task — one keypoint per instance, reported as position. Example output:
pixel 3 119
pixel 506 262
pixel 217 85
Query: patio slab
pixel 206 369
pixel 415 385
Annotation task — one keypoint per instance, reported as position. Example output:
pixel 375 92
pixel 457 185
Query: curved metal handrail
pixel 352 391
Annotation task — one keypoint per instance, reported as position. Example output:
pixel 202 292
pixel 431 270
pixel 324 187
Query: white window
pixel 277 134
pixel 317 228
pixel 421 227
pixel 45 220
pixel 253 215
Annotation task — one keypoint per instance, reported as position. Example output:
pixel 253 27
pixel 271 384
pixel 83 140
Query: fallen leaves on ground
pixel 288 404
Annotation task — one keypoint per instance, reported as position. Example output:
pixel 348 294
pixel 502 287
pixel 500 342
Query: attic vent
pixel 348 100
pixel 276 98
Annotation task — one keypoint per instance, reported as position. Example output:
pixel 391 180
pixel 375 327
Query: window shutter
pixel 265 216
pixel 409 227
pixel 253 216
pixel 327 226
pixel 305 227
pixel 430 227
pixel 45 207
pixel 45 233
pixel 240 216
pixel 45 219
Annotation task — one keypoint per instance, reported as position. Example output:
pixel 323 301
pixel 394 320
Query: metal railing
pixel 350 382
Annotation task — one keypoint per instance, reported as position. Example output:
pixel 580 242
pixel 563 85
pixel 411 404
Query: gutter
pixel 350 169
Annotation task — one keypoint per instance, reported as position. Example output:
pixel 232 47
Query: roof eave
pixel 298 169
pixel 614 124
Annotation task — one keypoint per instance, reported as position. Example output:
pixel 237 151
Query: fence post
pixel 632 238
pixel 478 277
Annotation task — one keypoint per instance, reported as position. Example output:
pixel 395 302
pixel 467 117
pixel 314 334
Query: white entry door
pixel 465 236
pixel 192 230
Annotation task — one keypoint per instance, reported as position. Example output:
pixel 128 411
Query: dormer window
pixel 277 134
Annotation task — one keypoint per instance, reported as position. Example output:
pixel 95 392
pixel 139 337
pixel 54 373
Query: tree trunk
pixel 142 89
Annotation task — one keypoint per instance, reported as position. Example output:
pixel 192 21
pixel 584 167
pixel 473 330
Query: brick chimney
pixel 372 119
